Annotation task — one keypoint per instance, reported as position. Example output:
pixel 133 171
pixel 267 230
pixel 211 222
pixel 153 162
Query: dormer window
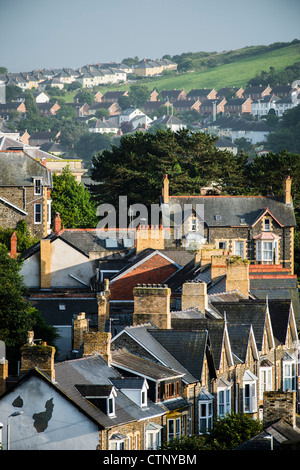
pixel 111 406
pixel 267 225
pixel 38 187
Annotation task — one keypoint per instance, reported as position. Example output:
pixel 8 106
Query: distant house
pixel 287 103
pixel 82 109
pixel 113 96
pixel 113 108
pixel 48 109
pixel 211 107
pixel 40 97
pixel 237 106
pixel 152 106
pixel 129 114
pixel 51 82
pixel 261 107
pixel 283 91
pixel 146 67
pixel 230 92
pixel 202 94
pixel 227 145
pixel 172 122
pixel 256 92
pixel 233 128
pixel 103 126
pixel 6 109
pixel 173 95
pixel 187 105
pixel 40 137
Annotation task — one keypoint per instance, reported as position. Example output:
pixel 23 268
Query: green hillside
pixel 237 73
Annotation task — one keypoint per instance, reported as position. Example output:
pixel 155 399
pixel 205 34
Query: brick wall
pixel 194 295
pixel 278 405
pixel 152 304
pixel 41 356
pixel 155 270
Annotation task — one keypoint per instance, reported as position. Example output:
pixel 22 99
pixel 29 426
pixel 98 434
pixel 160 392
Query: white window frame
pixel 36 213
pixel 111 411
pixel 176 432
pixel 240 251
pixel 224 401
pixel 223 242
pixel 117 444
pixel 153 440
pixel 267 226
pixel 206 417
pixel 49 212
pixel 38 186
pixel 266 380
pixel 289 380
pixel 262 249
pixel 249 396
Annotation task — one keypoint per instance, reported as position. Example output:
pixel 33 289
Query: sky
pixel 37 34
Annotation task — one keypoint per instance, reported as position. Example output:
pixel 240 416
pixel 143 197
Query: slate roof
pixel 246 313
pixel 234 208
pixel 239 336
pixel 142 366
pixel 18 169
pixel 93 370
pixel 188 347
pixel 146 340
pixel 282 434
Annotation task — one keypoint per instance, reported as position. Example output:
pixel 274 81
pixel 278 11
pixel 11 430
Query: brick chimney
pixel 57 223
pixel 13 245
pixel 152 304
pixel 194 295
pixel 45 264
pixel 165 189
pixel 80 326
pixel 237 275
pixel 37 355
pixel 150 237
pixel 97 342
pixel 288 190
pixel 218 266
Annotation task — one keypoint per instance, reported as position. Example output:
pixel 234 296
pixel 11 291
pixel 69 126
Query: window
pixel 153 436
pixel 110 406
pixel 267 250
pixel 266 382
pixel 38 188
pixel 267 225
pixel 117 445
pixel 239 249
pixel 289 375
pixel 194 224
pixel 49 212
pixel 224 401
pixel 222 245
pixel 174 428
pixel 144 398
pixel 205 416
pixel 38 213
pixel 249 393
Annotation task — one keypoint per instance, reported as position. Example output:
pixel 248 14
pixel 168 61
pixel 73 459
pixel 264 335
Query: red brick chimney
pixel 13 245
pixel 57 223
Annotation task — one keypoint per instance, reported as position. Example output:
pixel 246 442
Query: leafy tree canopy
pixel 72 201
pixel 135 168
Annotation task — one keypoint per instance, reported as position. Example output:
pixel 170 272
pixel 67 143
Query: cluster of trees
pixel 273 78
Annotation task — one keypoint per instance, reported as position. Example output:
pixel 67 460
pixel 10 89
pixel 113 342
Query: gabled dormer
pixel 101 396
pixel 135 388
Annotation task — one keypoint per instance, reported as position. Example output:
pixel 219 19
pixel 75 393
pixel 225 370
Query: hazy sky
pixel 72 33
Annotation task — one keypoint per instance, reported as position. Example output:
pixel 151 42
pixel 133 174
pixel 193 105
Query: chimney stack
pixel 237 275
pixel 165 190
pixel 288 190
pixel 57 223
pixel 37 355
pixel 279 405
pixel 152 304
pixel 13 245
pixel 45 263
pixel 194 295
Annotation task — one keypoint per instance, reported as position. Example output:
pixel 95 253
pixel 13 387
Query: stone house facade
pixel 257 228
pixel 25 188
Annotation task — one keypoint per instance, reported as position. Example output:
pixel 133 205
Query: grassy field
pixel 234 74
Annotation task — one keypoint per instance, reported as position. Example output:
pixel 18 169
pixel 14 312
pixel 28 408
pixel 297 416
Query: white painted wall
pixel 65 260
pixel 67 429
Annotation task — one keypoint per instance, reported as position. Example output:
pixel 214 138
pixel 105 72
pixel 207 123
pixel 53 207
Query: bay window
pixel 174 428
pixel 289 373
pixel 224 400
pixel 267 250
pixel 205 416
pixel 249 393
pixel 266 380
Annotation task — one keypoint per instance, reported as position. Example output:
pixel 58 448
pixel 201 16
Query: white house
pixel 129 114
pixel 262 106
pixel 103 126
